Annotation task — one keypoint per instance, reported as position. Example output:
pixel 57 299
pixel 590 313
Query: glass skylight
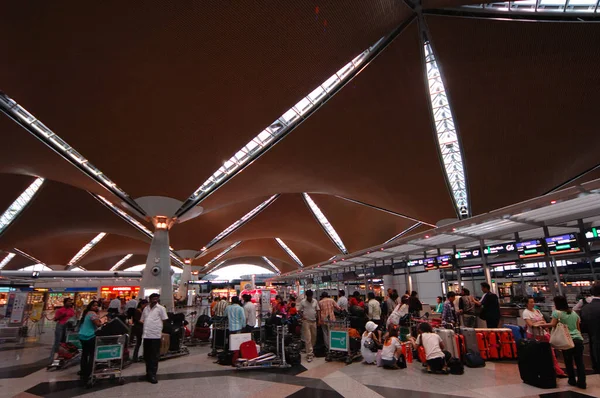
pixel 19 204
pixel 541 6
pixel 6 259
pixel 279 128
pixel 325 223
pixel 289 252
pixel 240 222
pixel 224 252
pixel 85 249
pixel 272 265
pixel 29 257
pixel 121 262
pixel 47 136
pixel 446 133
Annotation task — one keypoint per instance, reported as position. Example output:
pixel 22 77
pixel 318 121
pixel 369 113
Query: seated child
pixel 437 358
pixel 392 349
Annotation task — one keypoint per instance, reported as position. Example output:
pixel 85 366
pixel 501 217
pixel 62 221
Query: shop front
pixel 81 296
pixel 122 292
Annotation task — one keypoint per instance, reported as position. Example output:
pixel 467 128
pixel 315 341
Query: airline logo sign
pixel 108 352
pixel 338 340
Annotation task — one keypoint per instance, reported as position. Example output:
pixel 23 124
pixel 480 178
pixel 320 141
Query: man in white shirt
pixel 374 309
pixel 342 301
pixel 250 312
pixel 153 317
pixel 130 307
pixel 114 307
pixel 309 309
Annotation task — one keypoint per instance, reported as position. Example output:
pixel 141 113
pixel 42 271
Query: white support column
pixel 157 274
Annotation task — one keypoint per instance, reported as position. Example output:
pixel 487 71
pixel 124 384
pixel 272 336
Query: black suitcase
pixel 114 327
pixel 220 336
pixel 536 365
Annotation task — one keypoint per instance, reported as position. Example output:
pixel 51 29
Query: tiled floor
pixel 23 374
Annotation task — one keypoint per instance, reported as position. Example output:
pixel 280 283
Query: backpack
pixel 456 367
pixel 473 360
pixel 225 358
pixel 357 311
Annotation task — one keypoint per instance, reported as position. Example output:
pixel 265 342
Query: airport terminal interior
pixel 361 198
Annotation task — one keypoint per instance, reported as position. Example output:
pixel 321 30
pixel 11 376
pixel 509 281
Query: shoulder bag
pixel 560 338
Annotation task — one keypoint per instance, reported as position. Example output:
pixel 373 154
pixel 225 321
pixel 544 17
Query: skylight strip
pixel 7 259
pixel 240 222
pixel 224 252
pixel 85 249
pixel 289 252
pixel 121 262
pixel 325 224
pixel 78 269
pixel 407 230
pixel 539 6
pixel 19 204
pixel 216 267
pixel 272 265
pixel 446 133
pixel 279 128
pixel 29 257
pixel 21 116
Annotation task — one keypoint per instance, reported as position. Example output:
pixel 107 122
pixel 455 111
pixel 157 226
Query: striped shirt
pixel 327 305
pixel 220 308
pixel 236 317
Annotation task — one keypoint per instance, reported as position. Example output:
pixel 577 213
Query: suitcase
pixel 470 338
pixel 494 348
pixel 517 331
pixel 449 338
pixel 220 336
pixel 536 366
pixel 165 342
pixel 248 350
pixel 202 334
pixel 508 346
pixel 482 346
pixel 422 356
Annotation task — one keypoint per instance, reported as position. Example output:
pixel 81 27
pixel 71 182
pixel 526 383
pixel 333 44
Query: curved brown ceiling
pixel 288 218
pixel 106 263
pixel 16 263
pixel 351 220
pixel 524 96
pixel 115 246
pixel 372 142
pixel 12 186
pixel 62 210
pixel 55 250
pixel 197 232
pixel 209 77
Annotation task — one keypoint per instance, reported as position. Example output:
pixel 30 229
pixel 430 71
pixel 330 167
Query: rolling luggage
pixel 248 350
pixel 202 334
pixel 113 327
pixel 470 338
pixel 450 342
pixel 482 345
pixel 536 365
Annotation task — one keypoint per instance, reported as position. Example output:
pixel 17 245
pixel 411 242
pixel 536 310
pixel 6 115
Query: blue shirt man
pixel 449 313
pixel 235 315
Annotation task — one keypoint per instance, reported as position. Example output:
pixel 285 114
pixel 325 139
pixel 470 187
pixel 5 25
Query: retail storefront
pixel 80 295
pixel 122 292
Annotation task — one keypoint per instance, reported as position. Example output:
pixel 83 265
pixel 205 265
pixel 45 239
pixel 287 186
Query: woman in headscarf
pixel 371 334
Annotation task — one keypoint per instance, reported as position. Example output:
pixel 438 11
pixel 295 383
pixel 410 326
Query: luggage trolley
pixel 341 346
pixel 268 360
pixel 67 358
pixel 108 358
pixel 219 336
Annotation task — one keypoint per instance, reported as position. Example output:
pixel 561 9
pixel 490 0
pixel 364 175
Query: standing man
pixel 152 319
pixel 467 309
pixel 114 308
pixel 250 313
pixel 236 317
pixel 590 317
pixel 342 301
pixel 449 316
pixel 327 305
pixel 61 317
pixel 374 307
pixel 130 307
pixel 221 307
pixel 490 306
pixel 309 309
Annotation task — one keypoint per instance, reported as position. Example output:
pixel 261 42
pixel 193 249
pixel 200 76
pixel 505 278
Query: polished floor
pixel 23 374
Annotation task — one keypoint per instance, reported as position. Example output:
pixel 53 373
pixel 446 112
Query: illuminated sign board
pixel 562 244
pixel 499 249
pixel 444 261
pixel 467 254
pixel 592 234
pixel 530 249
pixel 428 263
pixel 116 289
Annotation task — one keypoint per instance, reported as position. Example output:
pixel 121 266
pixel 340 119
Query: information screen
pixel 530 249
pixel 444 261
pixel 563 244
pixel 499 249
pixel 592 234
pixel 429 263
pixel 467 254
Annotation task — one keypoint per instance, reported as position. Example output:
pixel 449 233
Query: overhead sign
pixel 499 249
pixel 530 249
pixel 117 289
pixel 422 261
pixel 592 234
pixel 467 254
pixel 562 244
pixel 444 261
pixel 430 264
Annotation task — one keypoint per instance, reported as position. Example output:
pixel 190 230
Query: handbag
pixel 560 338
pixel 370 344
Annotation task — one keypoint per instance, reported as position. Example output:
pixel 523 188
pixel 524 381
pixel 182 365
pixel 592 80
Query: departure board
pixel 562 244
pixel 467 254
pixel 592 234
pixel 444 261
pixel 530 249
pixel 499 249
pixel 429 264
pixel 426 262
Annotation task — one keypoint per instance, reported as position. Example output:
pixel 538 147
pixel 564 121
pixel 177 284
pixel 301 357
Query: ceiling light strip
pixel 85 249
pixel 289 252
pixel 224 252
pixel 272 265
pixel 121 262
pixel 539 6
pixel 277 130
pixel 19 204
pixel 7 259
pixel 29 257
pixel 240 222
pixel 407 230
pixel 29 122
pixel 325 224
pixel 216 267
pixel 446 133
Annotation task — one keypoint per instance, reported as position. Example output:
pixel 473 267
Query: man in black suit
pixel 490 306
pixel 590 316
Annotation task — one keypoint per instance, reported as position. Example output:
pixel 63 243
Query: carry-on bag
pixel 470 338
pixel 536 365
pixel 450 342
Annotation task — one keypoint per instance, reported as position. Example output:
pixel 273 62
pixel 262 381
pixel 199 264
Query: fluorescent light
pixel 224 252
pixel 29 257
pixel 539 6
pixel 271 264
pixel 7 259
pixel 325 223
pixel 121 262
pixel 85 249
pixel 240 222
pixel 446 133
pixel 289 252
pixel 19 204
